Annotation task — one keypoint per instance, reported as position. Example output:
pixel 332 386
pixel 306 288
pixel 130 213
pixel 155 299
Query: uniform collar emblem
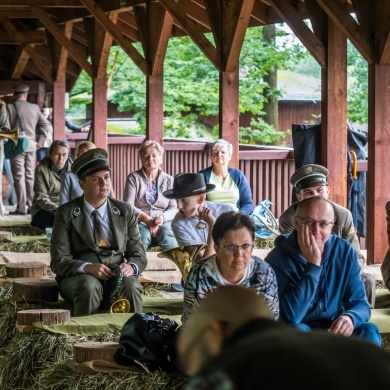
pixel 76 211
pixel 116 211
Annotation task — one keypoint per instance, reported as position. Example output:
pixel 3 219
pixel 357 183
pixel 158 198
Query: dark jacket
pixel 245 202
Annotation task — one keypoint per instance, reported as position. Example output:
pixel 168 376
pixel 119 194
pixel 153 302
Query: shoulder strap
pixel 17 115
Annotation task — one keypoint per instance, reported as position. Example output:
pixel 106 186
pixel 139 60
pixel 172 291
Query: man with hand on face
pixel 318 276
pixel 194 222
pixel 94 237
pixel 311 180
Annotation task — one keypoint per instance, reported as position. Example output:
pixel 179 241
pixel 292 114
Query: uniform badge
pixel 76 211
pixel 116 211
pixel 351 231
pixel 308 170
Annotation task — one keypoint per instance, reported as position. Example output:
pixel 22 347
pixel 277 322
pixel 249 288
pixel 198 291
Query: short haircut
pixel 304 204
pixel 221 143
pixel 56 143
pixel 84 145
pixel 150 144
pixel 231 220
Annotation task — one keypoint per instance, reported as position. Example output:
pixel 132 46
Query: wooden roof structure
pixel 46 43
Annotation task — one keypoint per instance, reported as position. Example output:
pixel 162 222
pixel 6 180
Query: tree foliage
pixel 191 83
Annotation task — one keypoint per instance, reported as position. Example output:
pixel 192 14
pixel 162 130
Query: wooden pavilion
pixel 46 44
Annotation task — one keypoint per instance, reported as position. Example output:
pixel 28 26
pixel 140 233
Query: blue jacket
pixel 245 202
pixel 317 295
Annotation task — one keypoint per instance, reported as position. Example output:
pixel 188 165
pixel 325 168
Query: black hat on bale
pixel 308 176
pixel 90 162
pixel 22 88
pixel 188 184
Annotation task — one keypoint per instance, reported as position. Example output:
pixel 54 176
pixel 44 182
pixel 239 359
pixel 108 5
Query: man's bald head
pixel 306 206
pixel 220 314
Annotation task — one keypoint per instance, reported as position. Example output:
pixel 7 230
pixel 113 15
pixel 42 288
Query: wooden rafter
pixel 190 27
pixel 236 16
pixel 42 63
pixel 35 37
pixel 350 28
pixel 154 26
pixel 62 39
pixel 112 29
pixel 214 13
pixel 20 63
pixel 294 20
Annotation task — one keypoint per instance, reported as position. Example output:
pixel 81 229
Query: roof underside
pixel 28 51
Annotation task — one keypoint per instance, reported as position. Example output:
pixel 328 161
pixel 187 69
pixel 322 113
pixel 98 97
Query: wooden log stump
pixel 46 316
pixel 25 270
pixel 27 289
pixel 4 235
pixel 92 350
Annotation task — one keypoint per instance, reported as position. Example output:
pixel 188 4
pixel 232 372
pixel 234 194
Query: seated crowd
pixel 312 279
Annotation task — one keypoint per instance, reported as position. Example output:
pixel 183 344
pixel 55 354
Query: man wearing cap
pixel 28 118
pixel 311 180
pixel 194 222
pixel 94 238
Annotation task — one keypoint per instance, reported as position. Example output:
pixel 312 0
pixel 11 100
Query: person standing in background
pixel 43 143
pixel 27 117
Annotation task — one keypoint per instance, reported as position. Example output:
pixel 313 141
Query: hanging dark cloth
pixel 307 150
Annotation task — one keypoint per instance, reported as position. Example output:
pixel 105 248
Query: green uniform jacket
pixel 343 226
pixel 72 237
pixel 47 186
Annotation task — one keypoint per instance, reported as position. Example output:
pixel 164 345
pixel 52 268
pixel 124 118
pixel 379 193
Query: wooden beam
pixel 59 89
pixel 213 9
pixel 378 178
pixel 235 15
pixel 334 114
pixel 99 112
pixel 19 65
pixel 110 27
pixel 41 3
pixel 99 44
pixel 228 111
pixel 191 28
pixel 34 37
pixel 347 24
pixel 155 108
pixel 42 63
pixel 294 20
pixel 62 39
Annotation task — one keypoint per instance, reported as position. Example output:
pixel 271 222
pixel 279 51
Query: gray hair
pixel 221 143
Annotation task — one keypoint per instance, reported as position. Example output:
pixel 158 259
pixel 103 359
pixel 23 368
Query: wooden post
pixel 155 108
pixel 229 112
pixel 378 179
pixel 59 110
pixel 334 115
pixel 99 112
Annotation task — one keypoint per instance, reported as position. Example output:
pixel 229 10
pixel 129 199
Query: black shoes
pixel 16 212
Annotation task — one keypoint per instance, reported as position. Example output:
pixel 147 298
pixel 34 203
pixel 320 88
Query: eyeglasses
pixel 313 224
pixel 233 248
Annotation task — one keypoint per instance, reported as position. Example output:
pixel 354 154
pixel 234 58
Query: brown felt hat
pixel 188 184
pixel 308 176
pixel 90 162
pixel 22 88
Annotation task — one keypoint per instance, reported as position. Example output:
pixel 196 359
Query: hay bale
pixel 34 246
pixel 60 376
pixel 23 230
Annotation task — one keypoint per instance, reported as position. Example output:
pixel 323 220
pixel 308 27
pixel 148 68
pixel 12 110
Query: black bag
pixel 149 341
pixel 11 150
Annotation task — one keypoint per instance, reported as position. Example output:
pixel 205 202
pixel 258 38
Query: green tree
pixel 191 83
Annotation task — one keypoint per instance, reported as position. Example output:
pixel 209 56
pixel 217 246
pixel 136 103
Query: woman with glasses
pixel 232 264
pixel 231 185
